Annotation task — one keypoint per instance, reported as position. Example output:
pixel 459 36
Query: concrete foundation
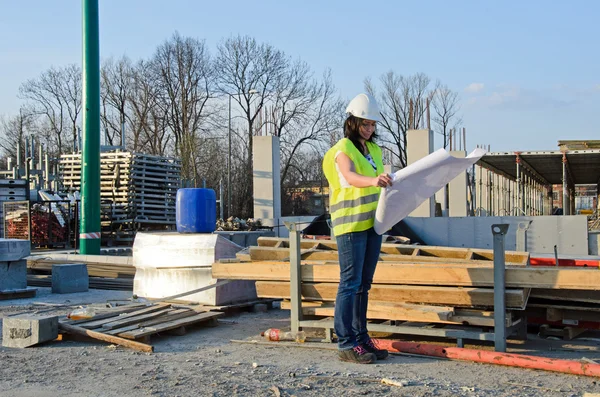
pixel 171 263
pixel 13 275
pixel 70 278
pixel 28 330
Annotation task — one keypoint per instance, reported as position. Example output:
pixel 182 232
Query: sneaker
pixel 371 348
pixel 358 355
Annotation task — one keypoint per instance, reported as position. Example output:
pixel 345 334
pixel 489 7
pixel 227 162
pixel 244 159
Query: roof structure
pixel 583 166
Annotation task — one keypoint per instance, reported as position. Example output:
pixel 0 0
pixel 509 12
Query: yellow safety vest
pixel 352 209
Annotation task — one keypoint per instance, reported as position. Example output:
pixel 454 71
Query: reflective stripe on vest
pixel 354 203
pixel 365 216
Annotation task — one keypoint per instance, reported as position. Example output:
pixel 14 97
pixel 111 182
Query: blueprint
pixel 416 183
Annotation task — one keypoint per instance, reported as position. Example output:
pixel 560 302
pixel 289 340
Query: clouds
pixel 474 88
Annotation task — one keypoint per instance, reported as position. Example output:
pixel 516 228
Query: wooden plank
pixel 136 334
pixel 73 329
pixel 421 274
pixel 383 311
pixel 122 322
pixel 173 315
pixel 450 296
pixel 377 312
pixel 95 323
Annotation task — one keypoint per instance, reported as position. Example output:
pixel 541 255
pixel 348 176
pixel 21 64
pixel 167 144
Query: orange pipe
pixel 481 356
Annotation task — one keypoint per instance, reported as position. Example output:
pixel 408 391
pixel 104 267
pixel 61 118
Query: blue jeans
pixel 358 255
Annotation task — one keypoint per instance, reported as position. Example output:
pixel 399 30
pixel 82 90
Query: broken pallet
pixel 140 323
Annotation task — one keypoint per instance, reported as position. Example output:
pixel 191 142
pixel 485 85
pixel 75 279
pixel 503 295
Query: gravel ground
pixel 205 362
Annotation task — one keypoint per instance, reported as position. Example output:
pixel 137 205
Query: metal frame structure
pixel 460 333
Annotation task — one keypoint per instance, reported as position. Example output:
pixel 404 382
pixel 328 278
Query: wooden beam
pixel 412 313
pixel 384 311
pixel 421 274
pixel 449 296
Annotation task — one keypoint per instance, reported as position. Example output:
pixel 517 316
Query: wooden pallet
pixel 276 248
pixel 141 323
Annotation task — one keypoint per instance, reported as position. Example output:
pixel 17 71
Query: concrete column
pixel 267 185
pixel 419 145
pixel 458 190
pixel 565 187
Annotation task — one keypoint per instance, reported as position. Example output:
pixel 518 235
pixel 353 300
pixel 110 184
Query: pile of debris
pixel 236 224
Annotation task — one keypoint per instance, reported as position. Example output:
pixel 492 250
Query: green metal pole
pixel 90 170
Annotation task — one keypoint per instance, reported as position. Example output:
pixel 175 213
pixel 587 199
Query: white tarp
pixel 416 183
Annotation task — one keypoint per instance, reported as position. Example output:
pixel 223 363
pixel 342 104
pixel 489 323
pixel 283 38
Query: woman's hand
pixel 383 180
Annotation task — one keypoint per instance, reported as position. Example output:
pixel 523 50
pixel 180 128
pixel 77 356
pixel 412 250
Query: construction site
pixel 120 277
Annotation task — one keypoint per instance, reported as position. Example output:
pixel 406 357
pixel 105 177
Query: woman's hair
pixel 351 131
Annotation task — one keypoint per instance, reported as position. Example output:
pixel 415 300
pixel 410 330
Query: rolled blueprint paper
pixel 416 183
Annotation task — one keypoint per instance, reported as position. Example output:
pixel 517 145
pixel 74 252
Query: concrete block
pixel 13 275
pixel 69 278
pixel 14 250
pixel 28 330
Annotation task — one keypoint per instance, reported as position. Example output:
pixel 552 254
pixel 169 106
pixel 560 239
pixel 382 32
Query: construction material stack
pixel 137 191
pixel 437 293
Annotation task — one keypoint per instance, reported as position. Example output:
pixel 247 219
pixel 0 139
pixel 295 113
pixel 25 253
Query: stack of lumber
pixel 137 191
pixel 105 271
pixel 425 284
pixel 412 283
pixel 138 322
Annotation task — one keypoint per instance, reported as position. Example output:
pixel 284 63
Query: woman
pixel 354 170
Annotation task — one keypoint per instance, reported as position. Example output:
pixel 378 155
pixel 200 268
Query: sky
pixel 527 72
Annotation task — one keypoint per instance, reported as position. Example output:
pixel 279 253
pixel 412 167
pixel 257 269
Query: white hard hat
pixel 365 107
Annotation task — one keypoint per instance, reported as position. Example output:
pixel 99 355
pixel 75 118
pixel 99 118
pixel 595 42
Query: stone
pixel 28 330
pixel 13 275
pixel 14 250
pixel 70 278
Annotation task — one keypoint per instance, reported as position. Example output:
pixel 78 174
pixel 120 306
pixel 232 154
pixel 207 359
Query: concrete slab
pixel 70 277
pixel 13 275
pixel 28 330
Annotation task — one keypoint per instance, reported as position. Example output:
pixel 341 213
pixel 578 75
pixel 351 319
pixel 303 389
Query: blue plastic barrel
pixel 196 210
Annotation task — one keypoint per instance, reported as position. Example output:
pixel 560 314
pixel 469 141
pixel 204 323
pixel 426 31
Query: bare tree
pixel 185 75
pixel 311 124
pixel 446 106
pixel 12 130
pixel 148 121
pixel 403 104
pixel 251 74
pixel 116 89
pixel 56 96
